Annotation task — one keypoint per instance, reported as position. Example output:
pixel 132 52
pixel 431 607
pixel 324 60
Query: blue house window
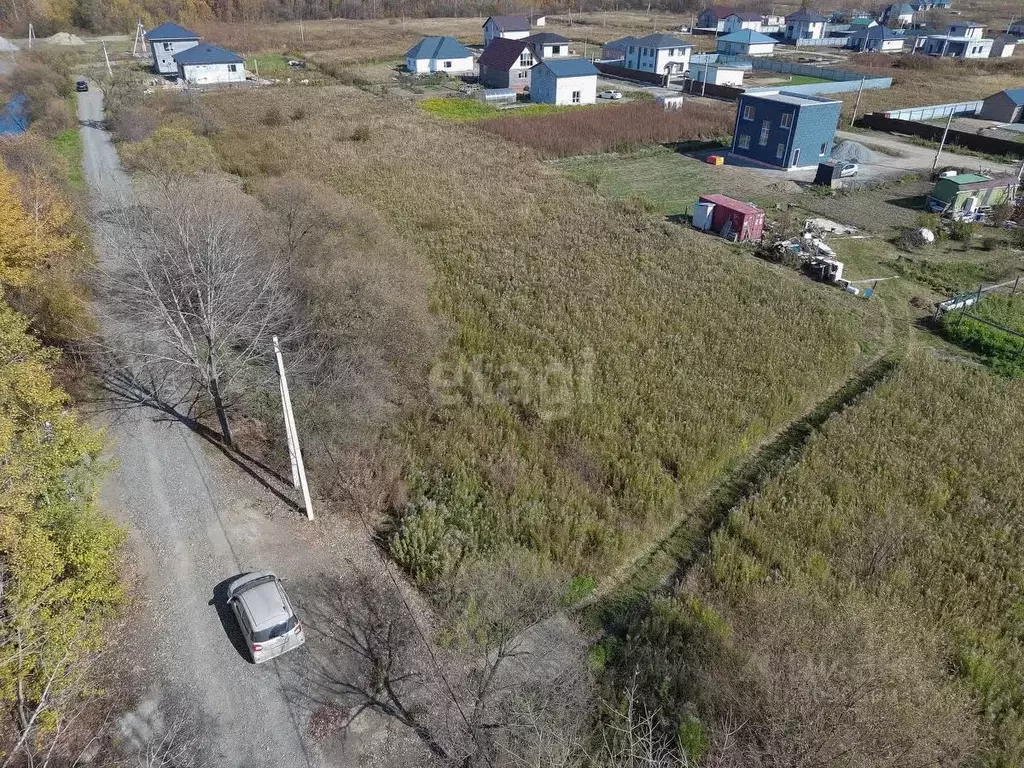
pixel 786 121
pixel 780 152
pixel 766 127
pixel 748 112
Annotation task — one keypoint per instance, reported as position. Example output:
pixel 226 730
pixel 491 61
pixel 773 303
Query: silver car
pixel 265 616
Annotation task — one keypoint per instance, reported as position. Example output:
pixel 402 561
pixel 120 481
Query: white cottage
pixel 206 64
pixel 805 24
pixel 564 82
pixel 512 27
pixel 747 43
pixel 165 42
pixel 740 20
pixel 439 54
pixel 659 54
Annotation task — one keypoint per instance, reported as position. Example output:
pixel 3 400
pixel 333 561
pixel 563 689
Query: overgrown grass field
pixel 602 366
pixel 877 581
pixel 994 340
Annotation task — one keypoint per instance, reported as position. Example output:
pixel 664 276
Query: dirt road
pixel 196 520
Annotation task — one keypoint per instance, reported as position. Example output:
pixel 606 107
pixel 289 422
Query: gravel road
pixel 195 520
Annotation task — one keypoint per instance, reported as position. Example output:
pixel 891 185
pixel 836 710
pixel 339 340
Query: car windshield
pixel 277 630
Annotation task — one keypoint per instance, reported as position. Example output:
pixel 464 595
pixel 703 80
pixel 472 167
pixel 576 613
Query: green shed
pixel 966 193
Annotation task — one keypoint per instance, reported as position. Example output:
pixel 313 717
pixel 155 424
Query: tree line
pixel 50 16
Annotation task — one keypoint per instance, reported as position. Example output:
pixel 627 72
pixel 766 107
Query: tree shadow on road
pixel 124 392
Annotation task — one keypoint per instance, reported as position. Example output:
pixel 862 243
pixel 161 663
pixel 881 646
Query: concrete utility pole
pixel 31 35
pixel 857 103
pixel 942 143
pixel 106 58
pixel 294 450
pixel 140 35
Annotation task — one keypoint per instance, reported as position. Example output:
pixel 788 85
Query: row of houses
pixel 180 53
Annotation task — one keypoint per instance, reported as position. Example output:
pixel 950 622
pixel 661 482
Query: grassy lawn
pixel 805 80
pixel 68 145
pixel 668 182
pixel 472 109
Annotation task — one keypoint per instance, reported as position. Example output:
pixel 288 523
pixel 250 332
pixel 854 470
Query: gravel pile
pixel 6 46
pixel 64 38
pixel 853 152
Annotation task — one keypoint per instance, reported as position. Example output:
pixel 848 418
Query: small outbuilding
pixel 507 63
pixel 512 27
pixel 564 82
pixel 721 74
pixel 1003 47
pixel 206 64
pixel 439 54
pixel 967 193
pixel 730 218
pixel 747 43
pixel 1006 106
pixel 166 41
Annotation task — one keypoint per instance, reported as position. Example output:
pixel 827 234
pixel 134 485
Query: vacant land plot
pixel 994 329
pixel 906 506
pixel 604 128
pixel 670 182
pixel 603 366
pixel 922 80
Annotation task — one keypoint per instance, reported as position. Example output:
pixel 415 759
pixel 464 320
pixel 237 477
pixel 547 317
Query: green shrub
pixel 961 231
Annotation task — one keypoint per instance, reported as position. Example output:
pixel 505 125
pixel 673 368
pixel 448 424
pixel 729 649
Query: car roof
pixel 264 601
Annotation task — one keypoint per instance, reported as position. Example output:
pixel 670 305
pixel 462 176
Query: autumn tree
pixel 59 578
pixel 196 299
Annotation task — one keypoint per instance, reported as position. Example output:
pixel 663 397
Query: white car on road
pixel 614 95
pixel 264 615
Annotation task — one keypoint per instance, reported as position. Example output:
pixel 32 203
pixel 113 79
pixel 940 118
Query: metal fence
pixel 935 111
pixel 822 42
pixel 880 122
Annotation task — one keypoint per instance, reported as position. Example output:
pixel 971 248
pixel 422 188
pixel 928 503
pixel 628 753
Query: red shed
pixel 743 220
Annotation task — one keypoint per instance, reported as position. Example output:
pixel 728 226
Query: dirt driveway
pixel 197 518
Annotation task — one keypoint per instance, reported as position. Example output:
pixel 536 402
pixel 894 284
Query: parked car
pixel 848 169
pixel 265 616
pixel 81 86
pixel 614 95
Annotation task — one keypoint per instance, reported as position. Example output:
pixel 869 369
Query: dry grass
pixel 922 80
pixel 684 352
pixel 619 128
pixel 348 41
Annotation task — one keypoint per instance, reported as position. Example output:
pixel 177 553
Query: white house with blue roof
pixel 659 54
pixel 564 82
pixel 746 43
pixel 439 54
pixel 165 42
pixel 206 64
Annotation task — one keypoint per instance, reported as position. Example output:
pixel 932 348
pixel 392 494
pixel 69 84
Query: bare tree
pixel 194 298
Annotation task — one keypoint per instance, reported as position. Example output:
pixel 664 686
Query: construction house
pixel 167 40
pixel 507 63
pixel 548 45
pixel 805 24
pixel 658 54
pixel 741 20
pixel 877 39
pixel 964 195
pixel 785 130
pixel 713 17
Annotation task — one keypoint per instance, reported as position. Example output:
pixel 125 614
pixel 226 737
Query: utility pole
pixel 294 450
pixel 942 143
pixel 140 35
pixel 106 58
pixel 302 30
pixel 856 104
pixel 31 35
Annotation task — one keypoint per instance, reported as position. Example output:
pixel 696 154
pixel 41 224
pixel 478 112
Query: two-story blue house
pixel 785 130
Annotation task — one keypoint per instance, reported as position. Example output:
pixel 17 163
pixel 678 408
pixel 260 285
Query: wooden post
pixel 856 104
pixel 942 143
pixel 1015 284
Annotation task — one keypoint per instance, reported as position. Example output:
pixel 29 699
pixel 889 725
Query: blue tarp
pixel 14 116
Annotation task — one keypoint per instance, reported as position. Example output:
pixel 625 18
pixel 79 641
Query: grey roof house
pixel 564 82
pixel 1006 106
pixel 165 41
pixel 513 27
pixel 206 64
pixel 548 44
pixel 878 39
pixel 616 49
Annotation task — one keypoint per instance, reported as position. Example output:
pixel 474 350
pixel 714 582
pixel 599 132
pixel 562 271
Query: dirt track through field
pixel 195 520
